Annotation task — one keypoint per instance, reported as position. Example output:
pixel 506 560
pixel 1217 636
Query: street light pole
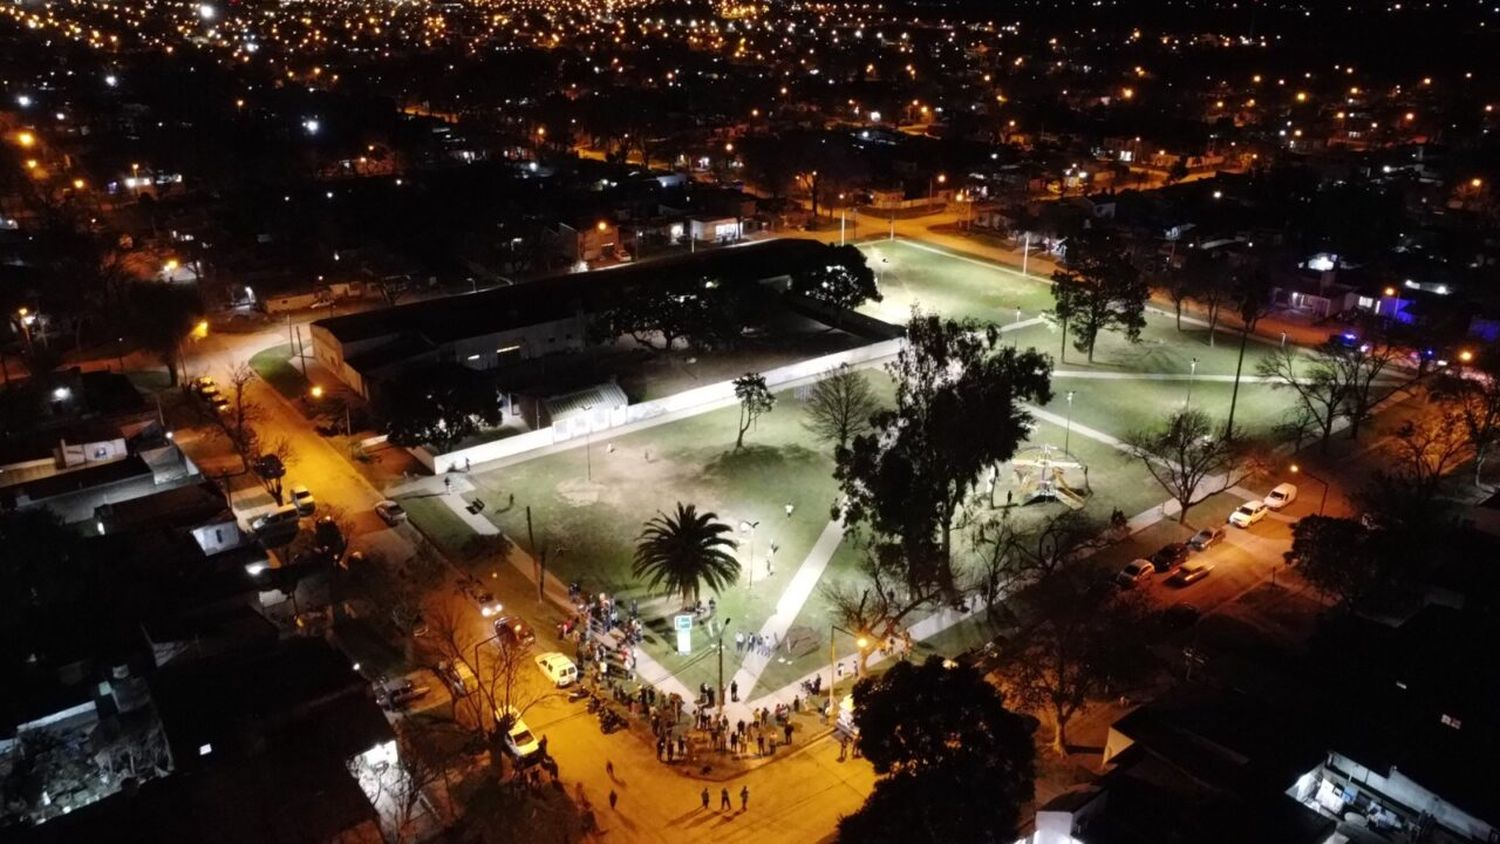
pixel 722 629
pixel 833 661
pixel 748 527
pixel 1192 376
pixel 1068 431
pixel 588 440
pixel 1025 251
pixel 1324 501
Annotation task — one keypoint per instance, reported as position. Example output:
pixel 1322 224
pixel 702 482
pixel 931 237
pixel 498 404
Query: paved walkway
pixel 797 591
pixel 455 487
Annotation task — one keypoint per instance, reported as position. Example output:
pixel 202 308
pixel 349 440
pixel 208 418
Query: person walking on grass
pixel 724 804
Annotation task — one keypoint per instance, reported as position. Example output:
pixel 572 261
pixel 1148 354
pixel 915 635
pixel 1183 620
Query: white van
pixel 1281 496
pixel 558 668
pixel 284 514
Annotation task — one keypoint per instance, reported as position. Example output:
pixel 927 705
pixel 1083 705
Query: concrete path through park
pixel 788 606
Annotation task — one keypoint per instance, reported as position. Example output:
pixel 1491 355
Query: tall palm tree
pixel 685 550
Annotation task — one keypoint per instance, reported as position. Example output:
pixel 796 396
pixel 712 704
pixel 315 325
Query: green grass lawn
pixel 587 506
pixel 275 365
pixel 949 285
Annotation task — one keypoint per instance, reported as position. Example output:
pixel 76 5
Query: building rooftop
pixel 475 314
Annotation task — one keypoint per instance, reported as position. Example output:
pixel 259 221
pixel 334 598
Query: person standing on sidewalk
pixel 705 797
pixel 613 798
pixel 724 804
pixel 744 799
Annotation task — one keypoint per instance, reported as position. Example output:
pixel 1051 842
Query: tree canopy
pixel 683 551
pixel 956 765
pixel 438 407
pixel 756 400
pixel 1189 459
pixel 960 407
pixel 1098 290
pixel 841 406
pixel 844 280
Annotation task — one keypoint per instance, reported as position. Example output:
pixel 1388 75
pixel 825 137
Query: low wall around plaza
pixel 644 414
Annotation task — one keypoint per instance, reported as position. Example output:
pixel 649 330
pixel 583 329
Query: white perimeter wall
pixel 699 399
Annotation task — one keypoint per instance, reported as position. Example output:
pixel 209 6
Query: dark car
pixel 513 630
pixel 1170 556
pixel 1207 538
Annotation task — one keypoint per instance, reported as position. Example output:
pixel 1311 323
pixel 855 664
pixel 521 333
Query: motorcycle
pixel 577 694
pixel 609 721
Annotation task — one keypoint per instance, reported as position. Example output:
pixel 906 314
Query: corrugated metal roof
pixel 601 396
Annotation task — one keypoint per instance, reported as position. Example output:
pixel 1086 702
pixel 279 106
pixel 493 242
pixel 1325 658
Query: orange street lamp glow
pixel 77 184
pixel 603 226
pixel 1465 355
pixel 1390 291
pixel 1475 182
pixel 317 391
pixel 26 139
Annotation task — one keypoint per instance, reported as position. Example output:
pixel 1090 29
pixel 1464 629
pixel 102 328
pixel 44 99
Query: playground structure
pixel 1047 473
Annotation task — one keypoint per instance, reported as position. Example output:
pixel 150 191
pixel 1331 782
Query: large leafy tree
pixel 700 312
pixel 1080 644
pixel 756 400
pixel 959 409
pixel 1098 290
pixel 1185 455
pixel 438 407
pixel 840 406
pixel 843 279
pixel 683 551
pixel 956 764
pixel 1378 569
pixel 162 316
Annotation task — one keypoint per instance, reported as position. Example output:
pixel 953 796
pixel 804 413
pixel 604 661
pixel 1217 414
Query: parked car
pixel 459 677
pixel 1134 572
pixel 513 630
pixel 391 512
pixel 398 694
pixel 558 668
pixel 302 499
pixel 1207 538
pixel 1281 496
pixel 518 738
pixel 1169 556
pixel 1248 514
pixel 1191 573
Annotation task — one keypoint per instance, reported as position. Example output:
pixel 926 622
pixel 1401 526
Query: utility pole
pixel 722 628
